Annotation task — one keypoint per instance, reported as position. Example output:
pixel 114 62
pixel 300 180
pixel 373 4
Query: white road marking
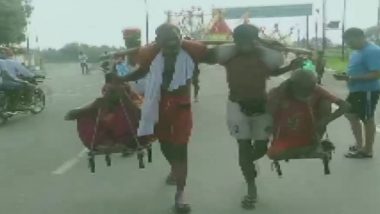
pixel 66 166
pixel 335 107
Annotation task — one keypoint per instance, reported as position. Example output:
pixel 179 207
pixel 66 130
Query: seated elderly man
pixel 301 110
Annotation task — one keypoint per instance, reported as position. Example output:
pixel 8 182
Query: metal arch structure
pixel 294 10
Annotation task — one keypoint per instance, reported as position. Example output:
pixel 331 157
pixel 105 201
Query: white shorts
pixel 243 127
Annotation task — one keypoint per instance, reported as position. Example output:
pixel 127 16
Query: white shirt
pixel 83 58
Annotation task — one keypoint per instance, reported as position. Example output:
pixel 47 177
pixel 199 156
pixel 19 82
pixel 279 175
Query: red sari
pixel 294 121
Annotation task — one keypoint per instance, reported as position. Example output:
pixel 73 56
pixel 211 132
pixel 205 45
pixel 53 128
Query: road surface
pixel 44 170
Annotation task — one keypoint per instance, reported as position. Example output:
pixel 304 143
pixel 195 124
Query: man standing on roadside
pixel 320 64
pixel 83 62
pixel 364 86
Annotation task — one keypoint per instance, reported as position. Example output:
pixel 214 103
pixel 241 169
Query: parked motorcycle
pixel 16 102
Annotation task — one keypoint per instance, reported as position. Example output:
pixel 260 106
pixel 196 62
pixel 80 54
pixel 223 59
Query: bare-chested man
pixel 248 69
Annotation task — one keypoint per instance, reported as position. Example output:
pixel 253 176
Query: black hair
pixel 165 28
pixel 353 33
pixel 246 32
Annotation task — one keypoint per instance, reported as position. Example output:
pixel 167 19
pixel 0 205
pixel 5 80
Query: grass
pixel 336 63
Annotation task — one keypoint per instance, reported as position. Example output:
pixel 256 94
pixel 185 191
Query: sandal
pixel 358 155
pixel 353 148
pixel 182 208
pixel 248 202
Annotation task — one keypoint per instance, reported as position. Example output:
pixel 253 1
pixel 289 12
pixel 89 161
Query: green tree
pixel 14 16
pixel 70 52
pixel 372 34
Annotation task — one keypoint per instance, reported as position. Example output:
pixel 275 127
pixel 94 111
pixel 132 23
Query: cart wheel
pixel 150 154
pixel 140 157
pixel 108 160
pixel 278 168
pixel 91 163
pixel 326 166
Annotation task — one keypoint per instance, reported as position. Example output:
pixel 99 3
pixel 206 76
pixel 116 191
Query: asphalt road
pixel 43 168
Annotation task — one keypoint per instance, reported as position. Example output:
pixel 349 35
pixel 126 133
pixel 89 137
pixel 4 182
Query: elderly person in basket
pixel 301 110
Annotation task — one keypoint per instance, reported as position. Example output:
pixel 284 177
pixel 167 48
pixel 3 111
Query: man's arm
pixel 23 71
pixel 137 74
pixel 219 54
pixel 11 77
pixel 295 64
pixel 210 57
pixel 373 75
pixel 343 106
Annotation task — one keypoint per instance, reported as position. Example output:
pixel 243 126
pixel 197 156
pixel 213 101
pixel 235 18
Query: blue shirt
pixel 4 67
pixel 122 69
pixel 362 62
pixel 18 69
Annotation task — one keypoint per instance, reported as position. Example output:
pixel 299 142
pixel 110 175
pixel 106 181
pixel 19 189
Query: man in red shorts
pixel 169 66
pixel 301 110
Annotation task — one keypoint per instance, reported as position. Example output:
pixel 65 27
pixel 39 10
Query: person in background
pixel 195 82
pixel 15 76
pixel 83 62
pixel 320 64
pixel 105 62
pixel 16 66
pixel 132 39
pixel 363 83
pixel 121 67
pixel 10 82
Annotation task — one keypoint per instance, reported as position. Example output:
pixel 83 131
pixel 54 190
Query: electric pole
pixel 324 26
pixel 343 28
pixel 378 23
pixel 316 29
pixel 146 21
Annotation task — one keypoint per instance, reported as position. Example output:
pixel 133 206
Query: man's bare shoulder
pixel 147 54
pixel 196 49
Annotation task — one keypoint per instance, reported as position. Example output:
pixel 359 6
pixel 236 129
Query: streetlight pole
pixel 146 21
pixel 378 23
pixel 324 26
pixel 316 28
pixel 343 28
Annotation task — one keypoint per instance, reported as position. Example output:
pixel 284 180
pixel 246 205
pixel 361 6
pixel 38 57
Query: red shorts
pixel 175 120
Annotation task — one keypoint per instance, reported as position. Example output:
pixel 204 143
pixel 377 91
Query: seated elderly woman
pixel 115 115
pixel 301 111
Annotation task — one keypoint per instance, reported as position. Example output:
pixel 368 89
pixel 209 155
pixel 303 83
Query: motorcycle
pixel 16 102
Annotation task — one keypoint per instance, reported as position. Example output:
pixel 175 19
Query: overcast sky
pixel 98 22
